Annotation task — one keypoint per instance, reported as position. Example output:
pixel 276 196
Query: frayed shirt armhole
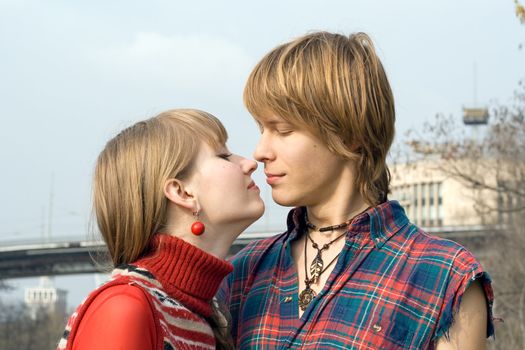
pixel 447 318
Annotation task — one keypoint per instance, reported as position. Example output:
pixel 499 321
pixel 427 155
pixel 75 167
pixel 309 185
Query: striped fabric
pixel 393 287
pixel 178 327
pixel 179 281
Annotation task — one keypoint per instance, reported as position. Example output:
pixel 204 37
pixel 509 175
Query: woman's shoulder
pixel 119 295
pixel 119 315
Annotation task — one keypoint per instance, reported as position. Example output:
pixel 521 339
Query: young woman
pixel 351 271
pixel 169 200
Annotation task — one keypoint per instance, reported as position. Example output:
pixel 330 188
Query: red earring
pixel 197 228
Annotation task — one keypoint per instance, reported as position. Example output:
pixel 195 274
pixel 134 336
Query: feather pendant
pixel 316 268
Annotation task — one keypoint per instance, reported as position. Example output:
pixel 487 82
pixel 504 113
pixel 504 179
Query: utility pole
pixel 50 213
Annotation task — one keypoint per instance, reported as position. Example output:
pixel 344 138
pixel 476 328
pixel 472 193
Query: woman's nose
pixel 249 165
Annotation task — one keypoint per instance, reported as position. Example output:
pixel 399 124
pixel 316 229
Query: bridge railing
pixel 68 255
pixel 62 241
pixel 72 255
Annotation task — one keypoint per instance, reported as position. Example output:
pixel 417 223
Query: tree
pixel 20 329
pixel 4 285
pixel 520 11
pixel 491 164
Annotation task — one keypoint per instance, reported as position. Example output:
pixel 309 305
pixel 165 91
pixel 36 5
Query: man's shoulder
pixel 261 253
pixel 421 244
pixel 259 247
pixel 248 260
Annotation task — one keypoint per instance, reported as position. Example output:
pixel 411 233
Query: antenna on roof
pixel 475 114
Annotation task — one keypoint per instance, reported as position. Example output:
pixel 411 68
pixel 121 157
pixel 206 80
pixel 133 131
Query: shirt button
pixel 287 299
pixel 377 328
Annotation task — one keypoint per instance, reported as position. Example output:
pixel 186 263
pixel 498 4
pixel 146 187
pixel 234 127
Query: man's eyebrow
pixel 276 122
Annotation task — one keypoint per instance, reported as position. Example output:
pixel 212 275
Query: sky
pixel 73 74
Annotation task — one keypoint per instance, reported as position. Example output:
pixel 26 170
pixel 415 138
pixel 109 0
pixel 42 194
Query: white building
pixel 47 297
pixel 433 197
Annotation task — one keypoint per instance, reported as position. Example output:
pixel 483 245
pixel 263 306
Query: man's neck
pixel 336 212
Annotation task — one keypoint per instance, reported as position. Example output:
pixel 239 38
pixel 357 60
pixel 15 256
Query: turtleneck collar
pixel 186 272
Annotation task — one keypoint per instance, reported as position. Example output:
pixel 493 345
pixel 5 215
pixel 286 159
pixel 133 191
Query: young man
pixel 351 271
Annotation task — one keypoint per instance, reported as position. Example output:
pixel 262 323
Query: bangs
pixel 257 92
pixel 267 89
pixel 297 81
pixel 181 136
pixel 197 125
pixel 209 129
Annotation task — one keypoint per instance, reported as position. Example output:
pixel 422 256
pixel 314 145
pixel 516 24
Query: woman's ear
pixel 177 193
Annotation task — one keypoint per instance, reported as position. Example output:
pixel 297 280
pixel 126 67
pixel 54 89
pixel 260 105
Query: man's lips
pixel 273 178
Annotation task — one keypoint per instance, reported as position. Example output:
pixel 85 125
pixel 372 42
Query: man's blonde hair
pixel 335 87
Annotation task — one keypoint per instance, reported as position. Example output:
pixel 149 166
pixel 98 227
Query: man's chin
pixel 285 201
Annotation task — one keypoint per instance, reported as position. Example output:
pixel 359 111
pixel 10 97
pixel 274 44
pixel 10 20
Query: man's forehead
pixel 271 118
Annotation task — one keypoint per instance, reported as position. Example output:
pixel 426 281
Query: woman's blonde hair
pixel 335 87
pixel 128 198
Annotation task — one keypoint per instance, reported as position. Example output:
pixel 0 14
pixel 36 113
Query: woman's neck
pixel 186 272
pixel 215 244
pixel 215 240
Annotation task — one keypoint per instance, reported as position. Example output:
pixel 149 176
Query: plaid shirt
pixel 393 287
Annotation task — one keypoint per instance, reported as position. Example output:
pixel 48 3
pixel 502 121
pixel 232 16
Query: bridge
pixel 71 256
pixel 75 256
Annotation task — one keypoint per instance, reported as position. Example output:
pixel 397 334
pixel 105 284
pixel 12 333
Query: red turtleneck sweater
pixel 162 300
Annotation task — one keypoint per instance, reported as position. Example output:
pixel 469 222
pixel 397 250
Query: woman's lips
pixel 252 186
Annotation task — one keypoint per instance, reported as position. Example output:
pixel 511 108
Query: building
pixel 46 297
pixel 434 197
